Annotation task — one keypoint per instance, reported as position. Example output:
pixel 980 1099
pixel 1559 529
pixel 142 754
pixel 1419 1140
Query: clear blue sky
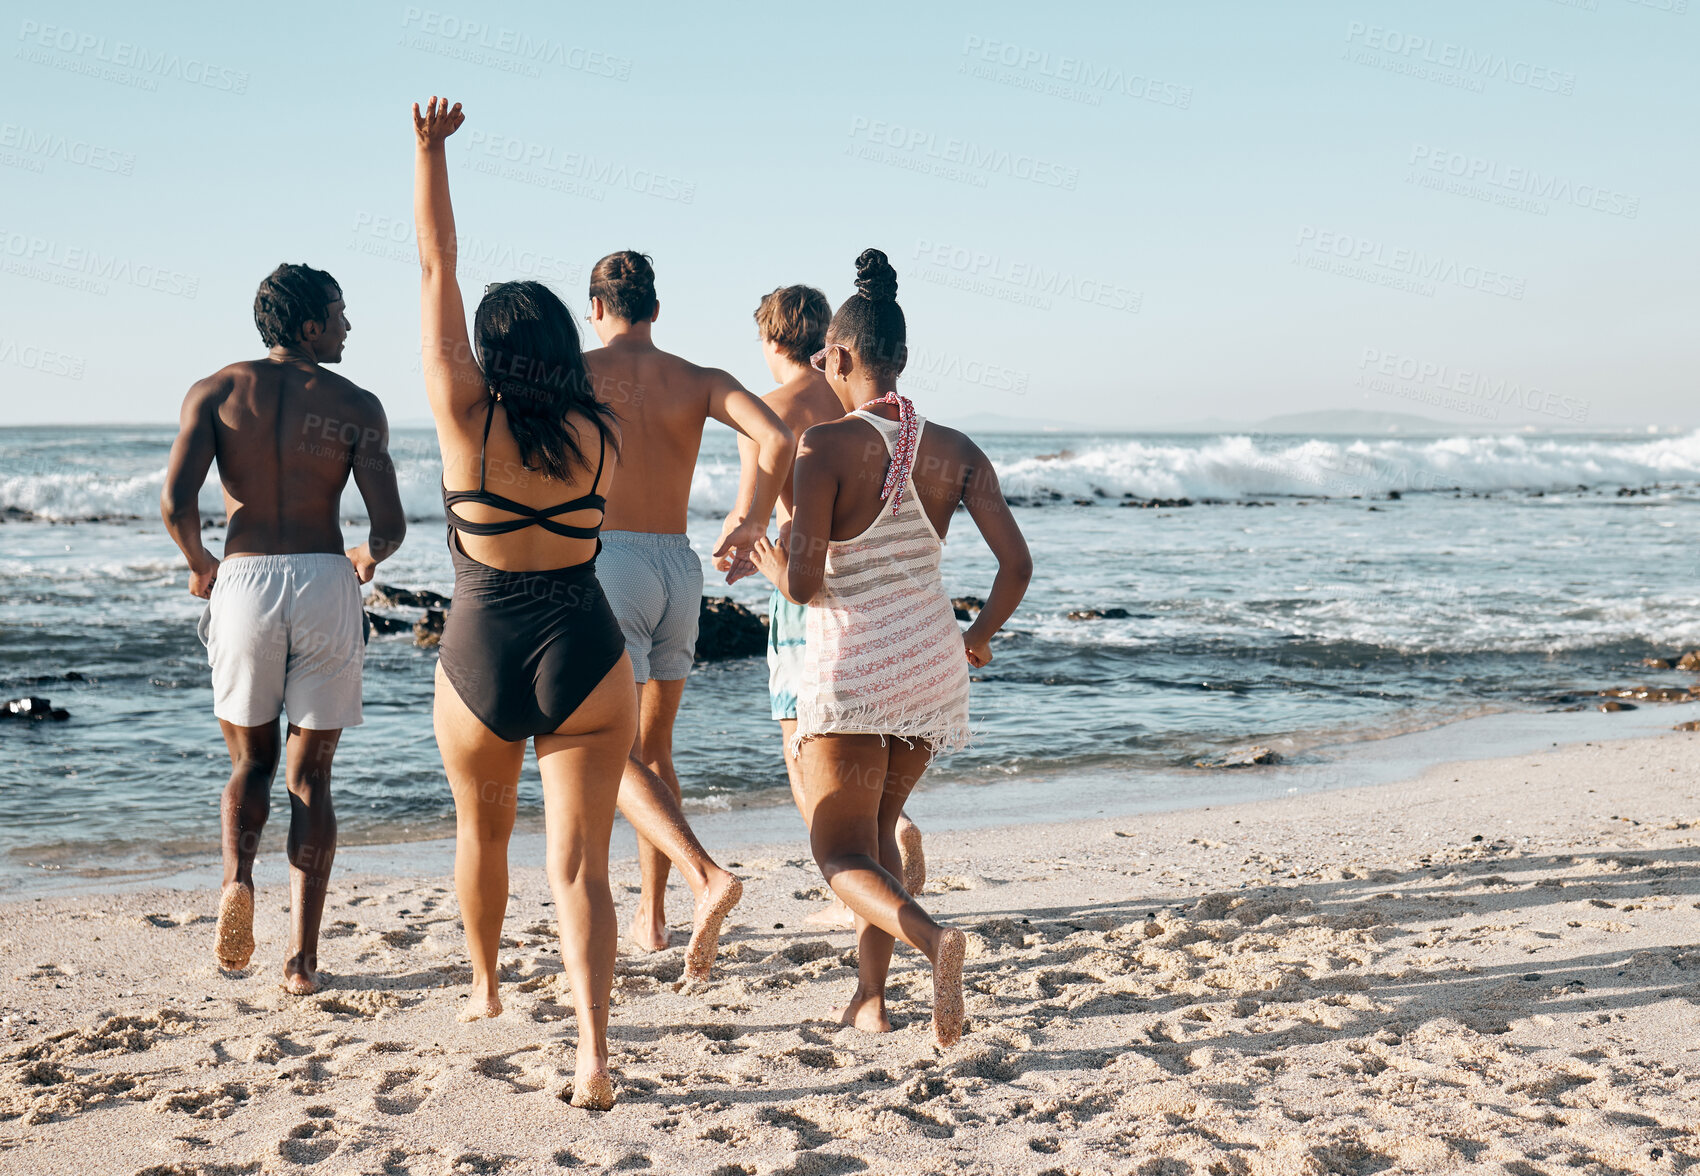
pixel 1138 213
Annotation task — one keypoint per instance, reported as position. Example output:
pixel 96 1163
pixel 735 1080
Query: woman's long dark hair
pixel 528 348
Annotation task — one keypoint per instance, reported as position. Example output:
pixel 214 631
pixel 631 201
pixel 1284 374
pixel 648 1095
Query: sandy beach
pixel 1495 966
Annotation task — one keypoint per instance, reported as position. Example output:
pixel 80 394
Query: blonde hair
pixel 795 318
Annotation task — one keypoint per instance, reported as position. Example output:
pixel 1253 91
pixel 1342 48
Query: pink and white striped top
pixel 884 654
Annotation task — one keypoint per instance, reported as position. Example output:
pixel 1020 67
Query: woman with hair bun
pixel 885 677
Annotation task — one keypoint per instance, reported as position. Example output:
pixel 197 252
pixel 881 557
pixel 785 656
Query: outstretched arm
pixel 775 446
pixel 983 497
pixel 374 474
pixel 798 566
pixel 452 380
pixel 180 499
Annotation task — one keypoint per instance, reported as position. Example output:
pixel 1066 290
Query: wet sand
pixel 1494 966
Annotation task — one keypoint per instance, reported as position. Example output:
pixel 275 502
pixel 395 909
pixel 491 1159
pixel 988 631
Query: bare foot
pixel 866 1013
pixel 234 940
pixel 649 934
pixel 914 860
pixel 300 976
pixel 713 905
pixel 834 914
pixel 594 1091
pixel 479 1006
pixel 947 987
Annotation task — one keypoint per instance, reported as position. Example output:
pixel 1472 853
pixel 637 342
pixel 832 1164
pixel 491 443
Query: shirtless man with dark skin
pixel 284 628
pixel 652 577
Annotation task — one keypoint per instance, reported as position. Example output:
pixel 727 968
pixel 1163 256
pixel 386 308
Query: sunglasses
pixel 818 359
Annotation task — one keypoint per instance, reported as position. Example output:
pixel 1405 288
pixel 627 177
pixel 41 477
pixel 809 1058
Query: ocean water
pixel 1316 590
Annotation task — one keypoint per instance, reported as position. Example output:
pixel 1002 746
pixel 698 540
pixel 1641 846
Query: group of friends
pixel 566 479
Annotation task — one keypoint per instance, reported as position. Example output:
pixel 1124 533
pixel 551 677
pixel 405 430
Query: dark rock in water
pixel 1689 660
pixel 1616 706
pixel 383 624
pixel 1658 663
pixel 1244 758
pixel 1099 614
pixel 966 606
pixel 1393 496
pixel 33 709
pixel 428 630
pixel 1651 693
pixel 1152 503
pixel 1690 725
pixel 385 596
pixel 1084 502
pixel 726 629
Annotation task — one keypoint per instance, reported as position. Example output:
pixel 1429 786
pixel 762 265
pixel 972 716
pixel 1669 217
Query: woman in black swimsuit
pixel 531 648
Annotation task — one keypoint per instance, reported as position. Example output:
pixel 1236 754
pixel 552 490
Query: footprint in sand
pixel 399 1093
pixel 311 1142
pixel 215 1102
pixel 498 1067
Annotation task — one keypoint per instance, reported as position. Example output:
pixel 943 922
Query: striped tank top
pixel 884 653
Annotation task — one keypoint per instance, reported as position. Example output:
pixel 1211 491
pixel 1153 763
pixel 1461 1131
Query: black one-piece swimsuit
pixel 524 649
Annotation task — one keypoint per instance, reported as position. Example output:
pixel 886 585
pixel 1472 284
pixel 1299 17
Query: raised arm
pixel 452 380
pixel 983 497
pixel 180 498
pixel 374 475
pixel 798 566
pixel 775 446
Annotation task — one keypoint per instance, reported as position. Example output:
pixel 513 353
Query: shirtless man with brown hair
pixel 284 628
pixel 651 576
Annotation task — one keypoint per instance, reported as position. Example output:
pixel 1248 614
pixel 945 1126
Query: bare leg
pixel 855 786
pixel 312 847
pixel 651 802
pixel 242 812
pixel 581 766
pixel 913 866
pixel 483 773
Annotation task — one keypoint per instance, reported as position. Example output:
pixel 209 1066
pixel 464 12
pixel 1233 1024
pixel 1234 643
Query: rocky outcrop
pixel 1616 706
pixel 33 709
pixel 386 596
pixel 1244 758
pixel 1653 693
pixel 1099 614
pixel 379 623
pixel 428 630
pixel 967 607
pixel 726 629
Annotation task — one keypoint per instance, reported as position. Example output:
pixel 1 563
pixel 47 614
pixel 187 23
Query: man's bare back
pixel 801 402
pixel 663 402
pixel 287 435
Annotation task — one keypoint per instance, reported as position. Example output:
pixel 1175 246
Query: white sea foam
pixel 1237 466
pixel 1210 467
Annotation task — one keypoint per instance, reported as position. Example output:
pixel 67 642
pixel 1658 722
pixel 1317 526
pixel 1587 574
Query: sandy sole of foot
pixel 1494 968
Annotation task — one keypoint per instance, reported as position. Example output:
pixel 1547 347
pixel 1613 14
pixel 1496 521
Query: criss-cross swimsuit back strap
pixel 527 516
